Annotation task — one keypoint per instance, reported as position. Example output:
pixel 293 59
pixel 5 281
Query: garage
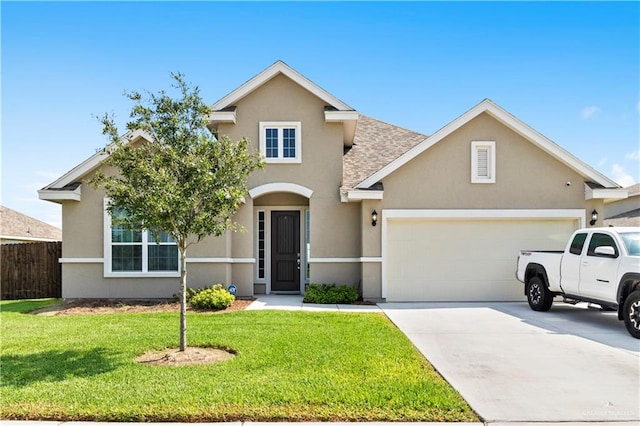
pixel 465 255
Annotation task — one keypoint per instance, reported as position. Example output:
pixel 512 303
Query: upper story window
pixel 483 162
pixel 132 252
pixel 280 141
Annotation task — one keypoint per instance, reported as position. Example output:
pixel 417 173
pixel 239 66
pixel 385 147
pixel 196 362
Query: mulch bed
pixel 83 307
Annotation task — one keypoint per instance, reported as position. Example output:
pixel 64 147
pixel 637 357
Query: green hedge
pixel 330 293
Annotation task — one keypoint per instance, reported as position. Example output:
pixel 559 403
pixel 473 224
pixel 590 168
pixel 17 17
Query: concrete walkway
pixel 295 303
pixel 511 364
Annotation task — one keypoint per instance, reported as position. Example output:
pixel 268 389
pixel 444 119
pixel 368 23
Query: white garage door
pixel 464 260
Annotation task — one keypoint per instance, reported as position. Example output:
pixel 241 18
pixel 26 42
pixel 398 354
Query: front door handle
pixel 298 261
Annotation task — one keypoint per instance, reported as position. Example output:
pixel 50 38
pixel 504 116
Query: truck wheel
pixel 538 295
pixel 631 314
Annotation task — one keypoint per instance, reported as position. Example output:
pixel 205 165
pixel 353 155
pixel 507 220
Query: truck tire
pixel 631 313
pixel 538 295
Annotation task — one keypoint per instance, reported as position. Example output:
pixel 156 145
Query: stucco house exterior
pixel 349 199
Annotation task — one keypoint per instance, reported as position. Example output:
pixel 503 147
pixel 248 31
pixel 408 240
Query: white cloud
pixel 589 112
pixel 602 161
pixel 635 155
pixel 621 176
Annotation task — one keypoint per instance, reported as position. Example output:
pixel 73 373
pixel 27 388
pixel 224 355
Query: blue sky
pixel 569 70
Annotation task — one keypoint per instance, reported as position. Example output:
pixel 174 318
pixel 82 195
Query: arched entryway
pixel 281 222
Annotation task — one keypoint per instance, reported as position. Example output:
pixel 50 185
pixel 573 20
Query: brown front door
pixel 285 251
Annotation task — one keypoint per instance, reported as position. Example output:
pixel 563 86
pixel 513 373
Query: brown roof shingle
pixel 17 225
pixel 630 218
pixel 375 145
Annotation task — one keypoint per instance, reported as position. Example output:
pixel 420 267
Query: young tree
pixel 183 181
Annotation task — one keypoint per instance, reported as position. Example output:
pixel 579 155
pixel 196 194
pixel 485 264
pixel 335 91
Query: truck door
pixel 599 268
pixel 570 265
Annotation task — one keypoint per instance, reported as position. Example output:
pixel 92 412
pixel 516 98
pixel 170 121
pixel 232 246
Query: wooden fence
pixel 30 270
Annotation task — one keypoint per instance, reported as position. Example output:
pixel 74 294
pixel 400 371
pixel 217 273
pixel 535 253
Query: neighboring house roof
pixel 631 218
pixel 487 106
pixel 375 145
pixel 634 190
pixel 19 227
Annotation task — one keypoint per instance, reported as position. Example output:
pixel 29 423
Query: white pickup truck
pixel 599 265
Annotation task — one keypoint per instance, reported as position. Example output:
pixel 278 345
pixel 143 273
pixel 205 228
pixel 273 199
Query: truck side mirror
pixel 605 251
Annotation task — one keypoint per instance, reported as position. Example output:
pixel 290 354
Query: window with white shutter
pixel 483 162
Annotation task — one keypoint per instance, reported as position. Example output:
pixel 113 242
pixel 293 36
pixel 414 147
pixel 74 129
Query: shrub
pixel 213 297
pixel 330 293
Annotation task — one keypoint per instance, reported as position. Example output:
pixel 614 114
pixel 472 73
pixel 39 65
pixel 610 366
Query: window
pixel 483 162
pixel 307 240
pixel 632 242
pixel 601 240
pixel 261 245
pixel 577 244
pixel 132 252
pixel 280 141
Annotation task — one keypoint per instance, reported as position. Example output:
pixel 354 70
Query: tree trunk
pixel 183 294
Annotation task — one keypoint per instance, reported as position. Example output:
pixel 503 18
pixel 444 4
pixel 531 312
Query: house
pixel 626 211
pixel 349 199
pixel 16 228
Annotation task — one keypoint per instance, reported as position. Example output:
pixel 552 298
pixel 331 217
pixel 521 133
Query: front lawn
pixel 298 366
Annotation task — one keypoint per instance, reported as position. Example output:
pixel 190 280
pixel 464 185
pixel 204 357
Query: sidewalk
pixel 295 303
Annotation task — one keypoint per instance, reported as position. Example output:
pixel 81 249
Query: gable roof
pixel 489 107
pixel 279 68
pixel 375 145
pixel 20 227
pixel 68 186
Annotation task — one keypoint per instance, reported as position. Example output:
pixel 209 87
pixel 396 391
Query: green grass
pixel 298 366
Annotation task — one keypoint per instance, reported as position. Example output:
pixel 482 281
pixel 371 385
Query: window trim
pixel 475 147
pixel 263 278
pixel 107 254
pixel 281 125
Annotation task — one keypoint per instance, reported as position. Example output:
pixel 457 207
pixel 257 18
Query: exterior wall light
pixel 374 218
pixel 594 217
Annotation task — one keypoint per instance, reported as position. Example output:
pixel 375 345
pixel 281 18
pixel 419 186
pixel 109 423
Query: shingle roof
pixel 634 190
pixel 375 145
pixel 631 218
pixel 19 226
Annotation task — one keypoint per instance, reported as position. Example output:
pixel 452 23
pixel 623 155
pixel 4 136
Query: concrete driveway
pixel 571 364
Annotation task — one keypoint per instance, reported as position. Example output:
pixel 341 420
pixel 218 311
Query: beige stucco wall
pixel 335 228
pixel 335 231
pixel 440 178
pixel 526 176
pixel 83 237
pixel 621 206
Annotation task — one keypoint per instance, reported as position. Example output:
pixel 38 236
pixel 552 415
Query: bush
pixel 330 293
pixel 213 297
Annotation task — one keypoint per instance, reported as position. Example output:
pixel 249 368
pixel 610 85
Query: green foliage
pixel 174 175
pixel 330 293
pixel 214 297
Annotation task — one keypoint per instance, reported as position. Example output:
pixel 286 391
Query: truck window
pixel 632 241
pixel 600 240
pixel 577 244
